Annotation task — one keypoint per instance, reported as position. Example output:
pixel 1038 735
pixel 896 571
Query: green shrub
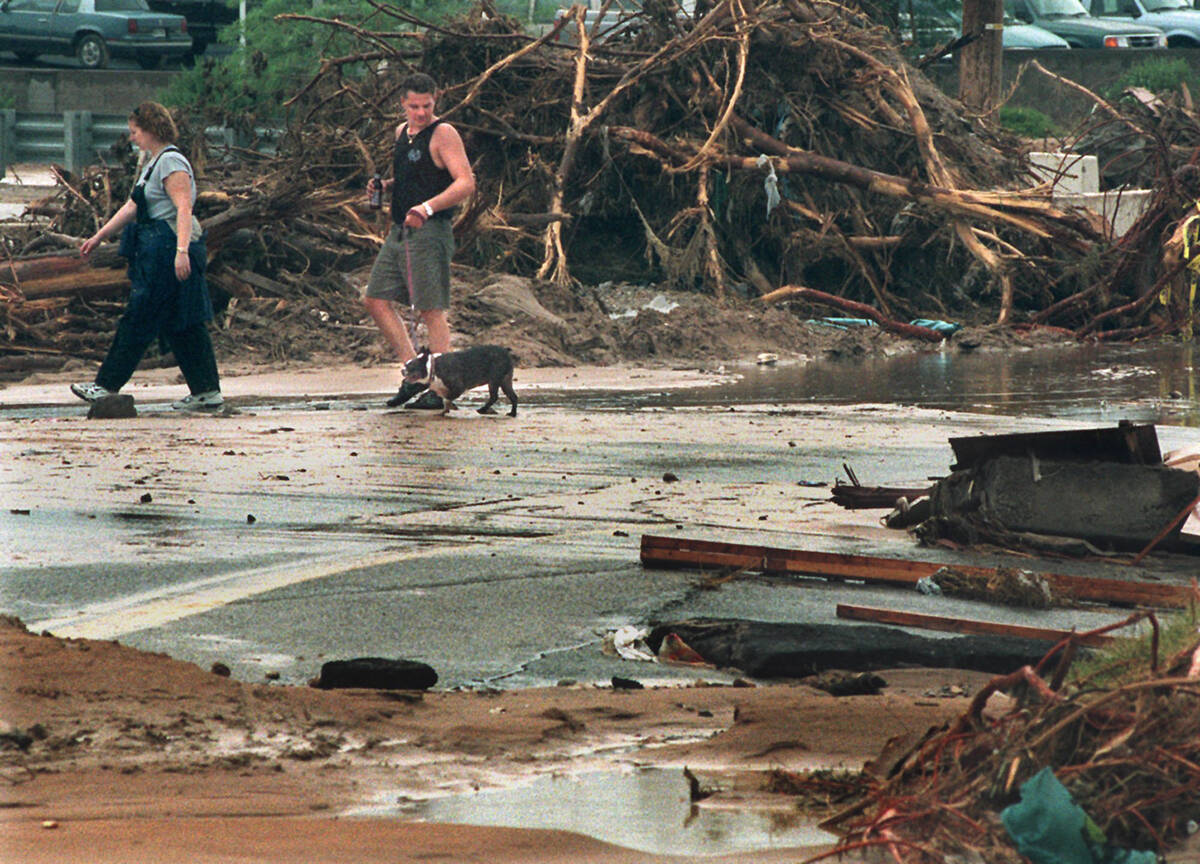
pixel 1026 122
pixel 1157 74
pixel 1129 658
pixel 251 85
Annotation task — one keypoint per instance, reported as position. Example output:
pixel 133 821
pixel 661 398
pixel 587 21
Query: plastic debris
pixel 660 303
pixel 675 650
pixel 944 327
pixel 628 642
pixel 926 585
pixel 1048 827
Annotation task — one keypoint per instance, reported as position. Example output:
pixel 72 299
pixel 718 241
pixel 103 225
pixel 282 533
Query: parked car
pixel 1176 18
pixel 93 31
pixel 1018 36
pixel 1070 20
pixel 204 18
pixel 941 22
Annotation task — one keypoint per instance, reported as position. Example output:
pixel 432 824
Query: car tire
pixel 150 61
pixel 91 51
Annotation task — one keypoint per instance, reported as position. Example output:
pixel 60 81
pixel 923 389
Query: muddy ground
pixel 110 754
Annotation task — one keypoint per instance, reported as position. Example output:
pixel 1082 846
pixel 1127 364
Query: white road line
pixel 113 618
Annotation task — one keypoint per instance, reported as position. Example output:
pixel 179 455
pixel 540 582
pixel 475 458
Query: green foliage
pixel 1026 122
pixel 543 10
pixel 1157 74
pixel 252 85
pixel 7 100
pixel 1129 659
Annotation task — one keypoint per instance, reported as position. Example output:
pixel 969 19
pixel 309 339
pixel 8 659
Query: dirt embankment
pixel 111 754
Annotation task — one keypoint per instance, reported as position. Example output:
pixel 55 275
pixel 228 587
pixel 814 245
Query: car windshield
pixel 122 6
pixel 1164 5
pixel 1058 8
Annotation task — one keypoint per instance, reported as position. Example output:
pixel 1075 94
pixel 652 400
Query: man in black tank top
pixel 431 175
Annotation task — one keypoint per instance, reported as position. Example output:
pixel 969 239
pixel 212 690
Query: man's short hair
pixel 418 82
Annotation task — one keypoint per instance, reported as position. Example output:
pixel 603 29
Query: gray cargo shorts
pixel 430 249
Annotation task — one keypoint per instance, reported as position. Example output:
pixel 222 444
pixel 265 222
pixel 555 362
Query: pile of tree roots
pixel 1121 739
pixel 781 150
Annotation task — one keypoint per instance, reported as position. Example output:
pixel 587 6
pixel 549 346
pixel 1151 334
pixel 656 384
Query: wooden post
pixel 980 66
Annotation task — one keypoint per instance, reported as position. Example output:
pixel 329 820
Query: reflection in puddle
pixel 648 810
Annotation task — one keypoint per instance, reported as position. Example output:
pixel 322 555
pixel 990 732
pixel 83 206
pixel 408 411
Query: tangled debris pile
pixel 750 149
pixel 1124 743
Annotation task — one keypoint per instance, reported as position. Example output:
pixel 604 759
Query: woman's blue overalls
pixel 160 306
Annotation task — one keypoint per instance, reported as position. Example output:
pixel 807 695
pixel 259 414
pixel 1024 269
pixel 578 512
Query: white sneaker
pixel 90 392
pixel 210 401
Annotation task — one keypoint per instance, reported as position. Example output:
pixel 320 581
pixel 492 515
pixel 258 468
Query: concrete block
pixel 1108 503
pixel 1120 207
pixel 1069 172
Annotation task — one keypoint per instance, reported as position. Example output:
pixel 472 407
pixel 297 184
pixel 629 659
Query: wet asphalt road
pixel 497 551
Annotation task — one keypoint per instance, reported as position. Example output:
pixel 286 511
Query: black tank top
pixel 417 178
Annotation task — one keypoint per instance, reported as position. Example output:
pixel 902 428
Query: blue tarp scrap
pixel 842 323
pixel 1048 827
pixel 943 327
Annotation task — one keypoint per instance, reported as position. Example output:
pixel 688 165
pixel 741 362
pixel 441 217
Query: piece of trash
pixel 767 359
pixel 660 303
pixel 628 313
pixel 49 824
pixel 628 642
pixel 770 182
pixel 620 683
pixel 672 649
pixel 926 585
pixel 837 683
pixel 944 327
pixel 1048 827
pixel 843 323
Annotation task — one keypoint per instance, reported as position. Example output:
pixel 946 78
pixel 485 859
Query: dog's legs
pixel 510 393
pixel 493 395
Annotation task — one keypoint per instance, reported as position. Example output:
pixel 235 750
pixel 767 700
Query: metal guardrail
pixel 74 139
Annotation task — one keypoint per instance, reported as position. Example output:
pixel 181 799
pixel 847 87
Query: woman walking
pixel 168 296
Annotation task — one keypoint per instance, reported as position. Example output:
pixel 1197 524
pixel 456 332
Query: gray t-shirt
pixel 158 203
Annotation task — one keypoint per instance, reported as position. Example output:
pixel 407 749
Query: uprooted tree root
pixel 1129 753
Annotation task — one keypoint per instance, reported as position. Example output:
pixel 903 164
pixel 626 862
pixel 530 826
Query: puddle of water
pixel 1154 383
pixel 647 810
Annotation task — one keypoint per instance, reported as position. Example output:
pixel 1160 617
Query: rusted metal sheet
pixel 683 552
pixel 964 625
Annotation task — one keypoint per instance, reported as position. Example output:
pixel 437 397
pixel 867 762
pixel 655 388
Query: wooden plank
pixel 683 552
pixel 963 625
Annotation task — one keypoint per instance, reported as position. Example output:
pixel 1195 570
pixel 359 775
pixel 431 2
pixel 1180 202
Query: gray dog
pixel 451 374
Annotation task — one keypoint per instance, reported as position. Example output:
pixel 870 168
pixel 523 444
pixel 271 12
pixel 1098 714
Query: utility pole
pixel 980 67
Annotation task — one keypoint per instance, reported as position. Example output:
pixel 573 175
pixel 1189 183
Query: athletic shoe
pixel 90 392
pixel 407 390
pixel 429 401
pixel 210 401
